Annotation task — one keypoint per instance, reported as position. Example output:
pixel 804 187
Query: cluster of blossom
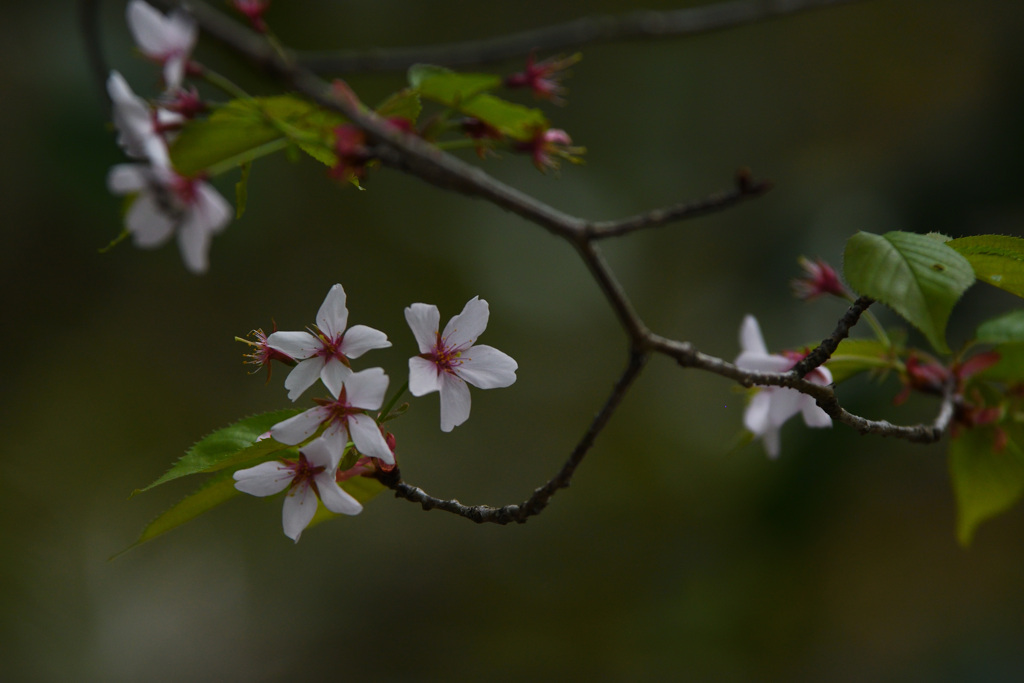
pixel 447 361
pixel 164 203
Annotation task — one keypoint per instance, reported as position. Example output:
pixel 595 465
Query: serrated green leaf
pixel 217 490
pixel 986 483
pixel 1008 328
pixel 918 277
pixel 996 259
pixel 854 356
pixel 404 104
pixel 232 445
pixel 449 87
pixel 514 120
pixel 244 130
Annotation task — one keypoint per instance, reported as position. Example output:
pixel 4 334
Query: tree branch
pixel 536 503
pixel 566 36
pixel 828 346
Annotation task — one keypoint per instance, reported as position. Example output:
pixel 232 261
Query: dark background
pixel 673 556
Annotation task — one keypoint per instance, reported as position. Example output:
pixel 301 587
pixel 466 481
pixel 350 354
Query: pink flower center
pixel 445 357
pixel 305 472
pixel 340 410
pixel 331 348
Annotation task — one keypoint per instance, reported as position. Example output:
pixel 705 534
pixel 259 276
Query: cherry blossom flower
pixel 312 477
pixel 770 407
pixel 168 203
pixel 325 350
pixel 140 127
pixel 167 39
pixel 448 361
pixel 343 418
pixel 548 147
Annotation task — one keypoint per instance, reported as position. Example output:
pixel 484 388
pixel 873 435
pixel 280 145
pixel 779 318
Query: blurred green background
pixel 672 556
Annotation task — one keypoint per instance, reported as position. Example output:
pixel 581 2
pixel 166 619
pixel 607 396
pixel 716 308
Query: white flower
pixel 343 418
pixel 770 407
pixel 139 126
pixel 313 476
pixel 167 39
pixel 169 203
pixel 326 351
pixel 447 361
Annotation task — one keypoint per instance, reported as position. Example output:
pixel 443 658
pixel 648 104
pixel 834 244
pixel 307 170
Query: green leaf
pixel 404 104
pixel 1010 367
pixel 232 445
pixel 244 130
pixel 217 490
pixel 918 277
pixel 986 483
pixel 858 355
pixel 996 259
pixel 467 94
pixel 1005 329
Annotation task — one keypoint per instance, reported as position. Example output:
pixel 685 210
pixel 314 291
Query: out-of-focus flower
pixel 448 361
pixel 168 203
pixel 343 419
pixel 544 77
pixel 819 278
pixel 325 350
pixel 481 131
pixel 167 39
pixel 311 477
pixel 770 407
pixel 549 147
pixel 140 127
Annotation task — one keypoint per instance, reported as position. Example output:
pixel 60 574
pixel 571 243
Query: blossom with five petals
pixel 447 361
pixel 343 418
pixel 167 39
pixel 313 476
pixel 770 407
pixel 168 203
pixel 325 351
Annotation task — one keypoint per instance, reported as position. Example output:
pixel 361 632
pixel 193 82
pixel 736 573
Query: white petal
pixel 359 339
pixel 751 340
pixel 463 330
pixel 319 453
pixel 813 415
pixel 423 376
pixel 194 242
pixel 333 315
pixel 334 375
pixel 265 479
pixel 424 321
pixel 368 439
pixel 211 210
pixel 755 417
pixel 760 362
pixel 455 402
pixel 335 437
pixel 487 368
pixel 127 178
pixel 303 376
pixel 174 70
pixel 149 225
pixel 785 403
pixel 335 498
pixel 299 508
pixel 300 427
pixel 298 345
pixel 366 389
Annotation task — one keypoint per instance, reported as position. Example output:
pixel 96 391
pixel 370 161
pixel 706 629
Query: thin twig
pixel 536 503
pixel 746 188
pixel 565 36
pixel 828 346
pixel 89 23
